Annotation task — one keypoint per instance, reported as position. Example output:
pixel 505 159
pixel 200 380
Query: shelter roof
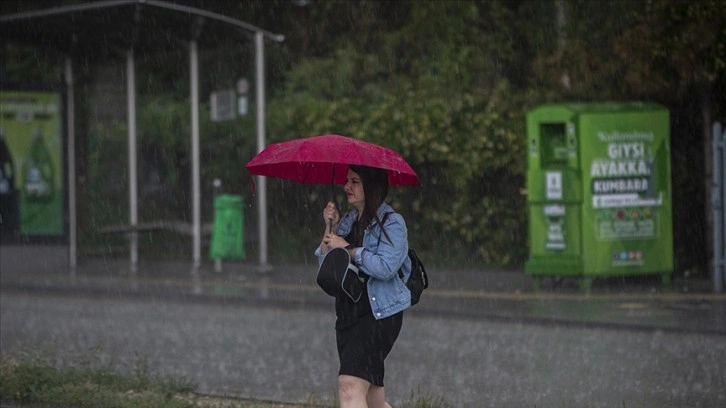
pixel 122 24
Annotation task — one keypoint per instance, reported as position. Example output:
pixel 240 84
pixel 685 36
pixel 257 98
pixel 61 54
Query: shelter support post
pixel 133 188
pixel 196 190
pixel 261 181
pixel 718 201
pixel 71 132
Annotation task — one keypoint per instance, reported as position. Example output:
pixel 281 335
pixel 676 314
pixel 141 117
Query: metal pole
pixel 217 183
pixel 196 190
pixel 261 181
pixel 71 129
pixel 722 221
pixel 133 196
pixel 718 198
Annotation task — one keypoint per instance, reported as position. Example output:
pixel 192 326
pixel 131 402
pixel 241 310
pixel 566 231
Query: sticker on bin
pixel 554 210
pixel 554 185
pixel 625 200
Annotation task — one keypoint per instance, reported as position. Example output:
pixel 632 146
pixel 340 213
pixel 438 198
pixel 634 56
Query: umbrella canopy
pixel 325 159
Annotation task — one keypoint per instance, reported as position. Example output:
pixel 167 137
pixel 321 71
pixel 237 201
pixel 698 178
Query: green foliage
pixel 673 46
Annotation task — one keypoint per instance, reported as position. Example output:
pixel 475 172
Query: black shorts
pixel 363 346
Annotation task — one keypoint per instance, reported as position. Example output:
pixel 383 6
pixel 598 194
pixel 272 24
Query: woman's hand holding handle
pixel 331 217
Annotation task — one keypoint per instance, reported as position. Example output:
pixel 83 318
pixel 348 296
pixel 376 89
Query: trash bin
pixel 599 191
pixel 228 233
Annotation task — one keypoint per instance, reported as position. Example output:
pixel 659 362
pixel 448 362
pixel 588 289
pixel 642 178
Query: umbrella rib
pixel 307 172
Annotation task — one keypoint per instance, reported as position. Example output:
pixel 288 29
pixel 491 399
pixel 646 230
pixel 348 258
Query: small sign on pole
pixel 222 105
pixel 242 105
pixel 243 86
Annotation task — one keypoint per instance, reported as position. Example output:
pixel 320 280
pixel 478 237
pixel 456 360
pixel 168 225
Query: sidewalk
pixel 638 303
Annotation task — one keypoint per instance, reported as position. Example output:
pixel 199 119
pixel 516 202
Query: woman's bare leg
pixel 377 397
pixel 352 391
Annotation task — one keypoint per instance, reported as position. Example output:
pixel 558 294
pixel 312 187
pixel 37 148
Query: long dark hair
pixel 375 189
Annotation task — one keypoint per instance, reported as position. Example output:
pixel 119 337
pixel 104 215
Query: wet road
pixel 286 354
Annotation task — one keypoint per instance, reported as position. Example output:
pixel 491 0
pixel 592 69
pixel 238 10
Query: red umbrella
pixel 325 159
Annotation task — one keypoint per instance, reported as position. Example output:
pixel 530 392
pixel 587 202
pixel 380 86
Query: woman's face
pixel 354 191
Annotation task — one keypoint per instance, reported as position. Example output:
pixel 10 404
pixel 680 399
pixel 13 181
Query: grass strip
pixel 35 379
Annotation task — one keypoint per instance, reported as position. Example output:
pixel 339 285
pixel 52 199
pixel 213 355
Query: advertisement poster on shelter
pixel 31 164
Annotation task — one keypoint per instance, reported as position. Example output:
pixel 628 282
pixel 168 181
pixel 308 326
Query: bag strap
pixel 383 221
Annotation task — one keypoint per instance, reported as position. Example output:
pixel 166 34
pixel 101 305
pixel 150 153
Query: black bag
pixel 336 273
pixel 419 280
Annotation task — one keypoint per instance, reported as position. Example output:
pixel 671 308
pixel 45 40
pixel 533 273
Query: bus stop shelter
pixel 127 28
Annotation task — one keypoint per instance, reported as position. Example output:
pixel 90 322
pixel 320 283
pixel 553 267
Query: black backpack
pixel 419 280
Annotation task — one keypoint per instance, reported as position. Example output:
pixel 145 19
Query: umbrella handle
pixel 329 223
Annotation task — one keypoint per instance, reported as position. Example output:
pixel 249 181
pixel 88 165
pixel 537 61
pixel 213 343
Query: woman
pixel 376 238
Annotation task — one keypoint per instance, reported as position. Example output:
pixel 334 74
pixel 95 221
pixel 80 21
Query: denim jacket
pixel 380 259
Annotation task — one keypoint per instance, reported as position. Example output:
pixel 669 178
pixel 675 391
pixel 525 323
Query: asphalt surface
pixel 478 338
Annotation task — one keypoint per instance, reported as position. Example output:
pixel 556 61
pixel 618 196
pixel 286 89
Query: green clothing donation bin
pixel 228 233
pixel 599 191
